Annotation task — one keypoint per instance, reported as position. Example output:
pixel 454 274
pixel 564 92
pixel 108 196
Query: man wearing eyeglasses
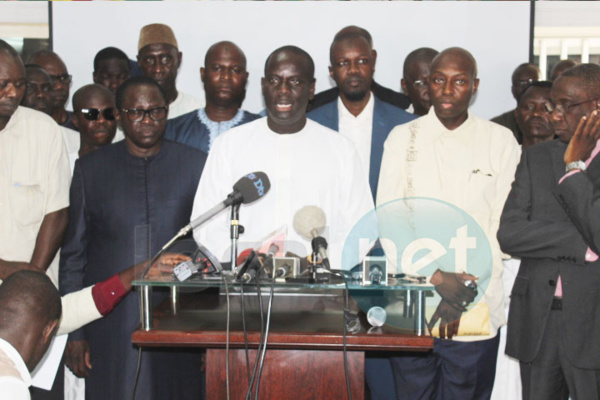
pixel 38 95
pixel 415 79
pixel 549 223
pixel 357 113
pixel 61 84
pixel 127 200
pixel 523 75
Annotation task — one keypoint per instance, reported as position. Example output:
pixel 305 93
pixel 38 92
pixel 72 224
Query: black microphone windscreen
pixel 253 186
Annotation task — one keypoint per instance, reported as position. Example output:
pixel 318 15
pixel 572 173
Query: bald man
pixel 522 76
pixel 30 310
pixel 94 117
pixel 465 161
pixel 61 84
pixel 224 76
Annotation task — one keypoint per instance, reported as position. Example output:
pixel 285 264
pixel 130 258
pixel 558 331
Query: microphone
pixel 310 223
pixel 247 189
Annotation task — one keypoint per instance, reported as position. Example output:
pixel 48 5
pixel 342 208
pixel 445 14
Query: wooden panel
pixel 287 374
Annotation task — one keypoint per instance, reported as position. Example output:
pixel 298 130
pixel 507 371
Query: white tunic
pixel 471 167
pixel 183 104
pixel 315 166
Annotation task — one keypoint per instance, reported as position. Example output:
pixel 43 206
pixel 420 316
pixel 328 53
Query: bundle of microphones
pixel 309 222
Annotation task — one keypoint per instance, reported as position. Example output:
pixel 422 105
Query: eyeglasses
pixel 420 83
pixel 563 108
pixel 92 114
pixel 524 83
pixel 64 79
pixel 138 114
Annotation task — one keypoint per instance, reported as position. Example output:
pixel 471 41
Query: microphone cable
pixel 137 373
pixel 262 326
pixel 264 349
pixel 245 331
pixel 227 337
pixel 345 350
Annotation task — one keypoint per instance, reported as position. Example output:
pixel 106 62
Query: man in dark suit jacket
pixel 352 67
pixel 548 222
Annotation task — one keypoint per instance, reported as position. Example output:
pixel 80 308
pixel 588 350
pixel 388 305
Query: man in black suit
pixel 547 222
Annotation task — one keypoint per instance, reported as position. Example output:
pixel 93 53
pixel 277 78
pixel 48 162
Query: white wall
pixel 497 33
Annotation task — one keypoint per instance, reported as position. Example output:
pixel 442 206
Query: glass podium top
pixel 324 281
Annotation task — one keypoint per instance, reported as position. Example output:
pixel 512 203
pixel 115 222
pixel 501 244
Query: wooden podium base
pixel 287 374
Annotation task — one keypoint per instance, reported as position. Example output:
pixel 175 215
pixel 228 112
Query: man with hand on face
pixel 94 117
pixel 159 58
pixel 523 75
pixel 550 222
pixel 38 95
pixel 61 84
pixel 307 164
pixel 415 79
pixel 357 113
pixel 451 155
pixel 224 77
pixel 127 200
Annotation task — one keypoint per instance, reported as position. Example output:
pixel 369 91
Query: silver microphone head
pixel 310 221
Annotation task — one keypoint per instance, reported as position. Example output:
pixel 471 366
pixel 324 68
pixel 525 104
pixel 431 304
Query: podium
pixel 305 349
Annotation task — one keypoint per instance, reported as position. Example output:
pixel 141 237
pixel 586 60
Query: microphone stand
pixel 235 231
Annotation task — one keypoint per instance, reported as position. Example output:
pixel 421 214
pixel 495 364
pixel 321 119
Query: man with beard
pixel 382 93
pixel 159 58
pixel 416 77
pixel 61 84
pixel 357 113
pixel 224 77
pixel 523 75
pixel 127 200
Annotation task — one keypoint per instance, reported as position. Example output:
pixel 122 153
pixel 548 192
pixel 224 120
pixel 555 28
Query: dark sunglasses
pixel 92 114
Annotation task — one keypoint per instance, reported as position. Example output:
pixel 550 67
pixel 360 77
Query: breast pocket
pixel 27 203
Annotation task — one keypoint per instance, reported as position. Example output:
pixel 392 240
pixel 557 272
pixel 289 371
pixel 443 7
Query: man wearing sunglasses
pixel 548 222
pixel 61 84
pixel 94 117
pixel 127 200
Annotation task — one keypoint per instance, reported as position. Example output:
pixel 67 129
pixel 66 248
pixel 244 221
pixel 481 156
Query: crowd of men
pixel 87 195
